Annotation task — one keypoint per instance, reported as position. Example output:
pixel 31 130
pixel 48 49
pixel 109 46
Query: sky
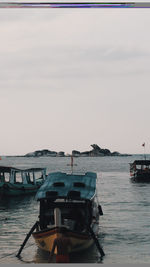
pixel 70 78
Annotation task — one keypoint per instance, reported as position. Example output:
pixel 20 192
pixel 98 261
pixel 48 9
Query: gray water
pixel 124 229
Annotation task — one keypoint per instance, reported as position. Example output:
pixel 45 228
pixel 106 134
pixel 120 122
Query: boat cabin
pixel 140 165
pixel 18 176
pixel 71 214
pixel 67 200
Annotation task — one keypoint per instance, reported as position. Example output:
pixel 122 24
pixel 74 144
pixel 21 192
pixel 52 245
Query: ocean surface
pixel 124 229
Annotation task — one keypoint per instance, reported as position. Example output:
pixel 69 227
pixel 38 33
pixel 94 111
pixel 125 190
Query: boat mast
pixel 71 164
pixel 144 150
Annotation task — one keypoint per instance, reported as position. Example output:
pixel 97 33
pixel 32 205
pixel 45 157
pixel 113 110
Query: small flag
pixel 143 144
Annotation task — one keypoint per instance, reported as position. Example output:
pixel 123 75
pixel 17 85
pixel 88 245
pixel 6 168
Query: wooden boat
pixel 70 201
pixel 16 182
pixel 140 171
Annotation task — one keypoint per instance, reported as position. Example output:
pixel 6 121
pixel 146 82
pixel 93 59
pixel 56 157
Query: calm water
pixel 124 228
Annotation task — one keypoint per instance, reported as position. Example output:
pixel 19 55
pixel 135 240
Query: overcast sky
pixel 70 78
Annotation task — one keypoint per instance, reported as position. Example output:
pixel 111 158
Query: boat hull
pixel 140 171
pixel 7 189
pixel 142 178
pixel 45 239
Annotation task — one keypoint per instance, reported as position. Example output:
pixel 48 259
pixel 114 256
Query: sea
pixel 124 228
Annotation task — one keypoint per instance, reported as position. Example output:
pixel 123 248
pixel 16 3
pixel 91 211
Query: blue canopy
pixel 62 183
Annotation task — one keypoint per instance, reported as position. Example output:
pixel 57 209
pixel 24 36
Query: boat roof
pixel 141 162
pixel 63 183
pixel 8 169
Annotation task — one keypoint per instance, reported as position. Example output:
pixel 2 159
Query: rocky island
pixel 96 151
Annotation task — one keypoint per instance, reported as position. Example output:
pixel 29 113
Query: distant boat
pixel 16 182
pixel 140 171
pixel 68 200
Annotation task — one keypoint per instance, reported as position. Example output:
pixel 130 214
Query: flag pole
pixel 144 150
pixel 71 164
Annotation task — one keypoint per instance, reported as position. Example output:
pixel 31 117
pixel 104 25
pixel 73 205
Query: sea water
pixel 124 228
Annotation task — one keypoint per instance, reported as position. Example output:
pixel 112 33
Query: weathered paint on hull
pixel 45 239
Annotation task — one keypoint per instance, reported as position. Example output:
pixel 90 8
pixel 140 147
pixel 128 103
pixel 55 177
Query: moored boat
pixel 17 182
pixel 140 171
pixel 68 201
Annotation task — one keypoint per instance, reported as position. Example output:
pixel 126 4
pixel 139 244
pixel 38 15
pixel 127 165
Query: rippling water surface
pixel 124 229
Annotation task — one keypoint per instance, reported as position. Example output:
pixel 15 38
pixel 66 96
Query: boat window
pixel 79 184
pixel 37 175
pixel 17 177
pixel 4 177
pixel 58 184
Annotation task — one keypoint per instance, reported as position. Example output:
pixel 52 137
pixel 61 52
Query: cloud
pixel 56 62
pixel 65 70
